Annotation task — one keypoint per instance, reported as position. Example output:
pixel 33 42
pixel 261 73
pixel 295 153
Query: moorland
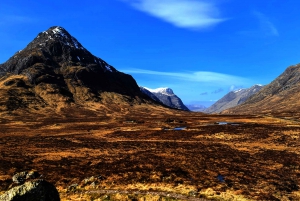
pixel 139 155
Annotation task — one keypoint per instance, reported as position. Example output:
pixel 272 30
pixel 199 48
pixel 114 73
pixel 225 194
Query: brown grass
pixel 130 150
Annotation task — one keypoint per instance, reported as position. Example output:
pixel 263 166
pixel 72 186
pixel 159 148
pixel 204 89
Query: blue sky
pixel 201 49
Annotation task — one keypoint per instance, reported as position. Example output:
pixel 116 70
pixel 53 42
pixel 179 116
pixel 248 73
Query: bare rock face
pixel 38 190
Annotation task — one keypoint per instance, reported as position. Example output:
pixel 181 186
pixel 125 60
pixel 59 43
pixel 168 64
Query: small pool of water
pixel 227 123
pixel 179 128
pixel 222 123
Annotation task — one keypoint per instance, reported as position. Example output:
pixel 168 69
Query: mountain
pixel 233 99
pixel 150 94
pixel 165 96
pixel 196 108
pixel 55 71
pixel 279 97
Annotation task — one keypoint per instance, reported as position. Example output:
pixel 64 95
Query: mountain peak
pixel 57 33
pixel 163 90
pixel 54 47
pixel 166 96
pixel 259 85
pixel 57 30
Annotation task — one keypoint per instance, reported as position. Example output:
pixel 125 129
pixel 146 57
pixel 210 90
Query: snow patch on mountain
pixel 59 32
pixel 163 90
pixel 237 91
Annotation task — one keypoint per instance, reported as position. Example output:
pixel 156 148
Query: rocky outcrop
pixel 21 177
pixel 30 188
pixel 38 190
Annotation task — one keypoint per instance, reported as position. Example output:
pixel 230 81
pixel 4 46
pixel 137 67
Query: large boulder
pixel 38 190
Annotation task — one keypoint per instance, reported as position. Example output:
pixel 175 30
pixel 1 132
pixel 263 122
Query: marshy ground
pixel 138 155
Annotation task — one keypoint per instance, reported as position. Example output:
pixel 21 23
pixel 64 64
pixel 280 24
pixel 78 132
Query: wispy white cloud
pixel 199 76
pixel 192 14
pixel 189 86
pixel 15 19
pixel 266 25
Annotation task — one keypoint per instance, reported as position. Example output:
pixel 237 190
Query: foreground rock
pixel 38 190
pixel 21 177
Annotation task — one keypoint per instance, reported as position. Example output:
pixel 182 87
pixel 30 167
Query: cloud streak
pixel 199 76
pixel 189 14
pixel 15 19
pixel 266 25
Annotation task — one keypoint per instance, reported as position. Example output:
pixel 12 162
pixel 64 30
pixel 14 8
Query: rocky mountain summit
pixel 233 99
pixel 166 96
pixel 279 97
pixel 56 70
pixel 56 48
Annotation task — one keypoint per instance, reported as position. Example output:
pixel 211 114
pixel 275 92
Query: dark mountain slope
pixel 56 70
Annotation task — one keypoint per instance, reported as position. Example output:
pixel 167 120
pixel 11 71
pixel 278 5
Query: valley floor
pixel 139 156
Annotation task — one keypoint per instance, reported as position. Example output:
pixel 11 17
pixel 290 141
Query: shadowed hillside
pixel 280 97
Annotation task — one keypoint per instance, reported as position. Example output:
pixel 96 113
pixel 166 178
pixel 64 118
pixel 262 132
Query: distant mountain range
pixel 166 96
pixel 280 97
pixel 196 108
pixel 233 99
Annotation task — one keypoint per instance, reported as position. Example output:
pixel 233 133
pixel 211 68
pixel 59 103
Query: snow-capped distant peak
pixel 253 87
pixel 162 90
pixel 236 91
pixel 166 96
